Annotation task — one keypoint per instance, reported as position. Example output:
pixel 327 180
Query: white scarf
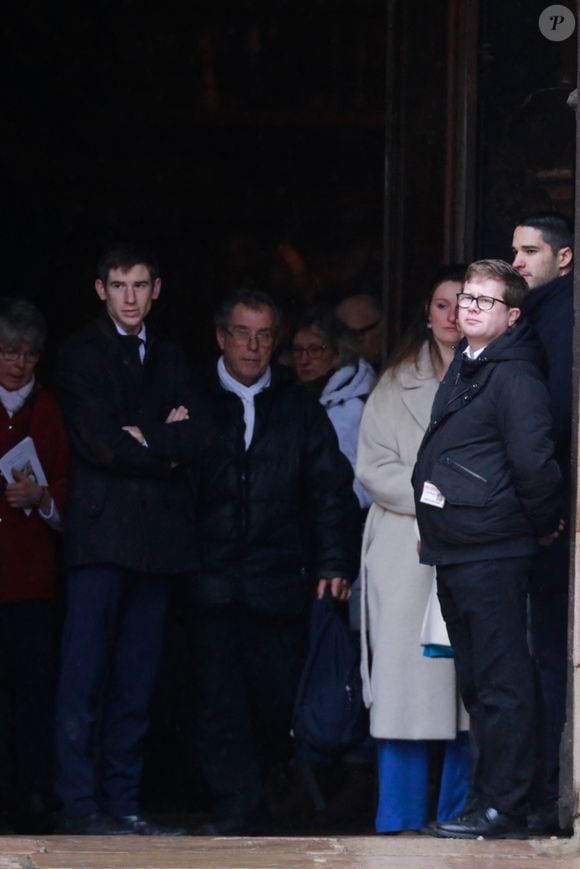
pixel 245 393
pixel 13 399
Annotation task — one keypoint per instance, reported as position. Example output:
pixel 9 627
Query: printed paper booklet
pixel 23 457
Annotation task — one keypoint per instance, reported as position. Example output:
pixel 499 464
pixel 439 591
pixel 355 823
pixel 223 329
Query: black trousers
pixel 549 630
pixel 247 665
pixel 484 606
pixel 27 685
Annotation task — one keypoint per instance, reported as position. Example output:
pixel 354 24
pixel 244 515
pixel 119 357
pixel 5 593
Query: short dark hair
pixel 124 256
pixel 516 289
pixel 251 299
pixel 329 326
pixel 21 323
pixel 556 229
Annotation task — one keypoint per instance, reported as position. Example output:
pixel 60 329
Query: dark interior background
pixel 527 132
pixel 247 139
pixel 243 139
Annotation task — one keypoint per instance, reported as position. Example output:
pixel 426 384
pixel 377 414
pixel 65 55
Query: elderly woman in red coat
pixel 29 515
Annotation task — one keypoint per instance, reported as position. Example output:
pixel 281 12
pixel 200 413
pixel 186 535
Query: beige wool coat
pixel 409 696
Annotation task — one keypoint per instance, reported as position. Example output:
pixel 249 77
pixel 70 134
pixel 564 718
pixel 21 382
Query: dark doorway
pixel 243 139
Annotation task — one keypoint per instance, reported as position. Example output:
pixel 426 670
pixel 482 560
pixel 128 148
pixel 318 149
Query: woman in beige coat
pixel 412 698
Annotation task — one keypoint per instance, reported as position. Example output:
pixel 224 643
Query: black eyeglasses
pixel 484 303
pixel 241 335
pixel 313 351
pixel 10 354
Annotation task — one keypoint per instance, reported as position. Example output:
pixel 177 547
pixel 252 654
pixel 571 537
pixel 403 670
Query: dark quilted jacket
pixel 277 517
pixel 488 449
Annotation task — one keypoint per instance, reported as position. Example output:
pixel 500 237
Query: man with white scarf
pixel 277 523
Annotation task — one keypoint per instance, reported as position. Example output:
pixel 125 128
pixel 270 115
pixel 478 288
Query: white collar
pixel 13 399
pixel 472 354
pixel 142 333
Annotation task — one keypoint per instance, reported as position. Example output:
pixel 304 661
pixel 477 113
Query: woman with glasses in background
pixel 327 363
pixel 29 515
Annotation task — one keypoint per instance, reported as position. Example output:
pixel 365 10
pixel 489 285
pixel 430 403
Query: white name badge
pixel 431 495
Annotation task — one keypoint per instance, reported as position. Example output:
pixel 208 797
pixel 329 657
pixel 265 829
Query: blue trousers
pixel 403 767
pixel 111 650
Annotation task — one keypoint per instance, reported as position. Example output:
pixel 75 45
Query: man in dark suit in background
pixel 543 246
pixel 125 397
pixel 362 315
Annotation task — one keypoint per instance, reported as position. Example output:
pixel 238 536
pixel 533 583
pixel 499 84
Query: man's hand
pixel 24 492
pixel 178 414
pixel 136 433
pixel 548 539
pixel 339 588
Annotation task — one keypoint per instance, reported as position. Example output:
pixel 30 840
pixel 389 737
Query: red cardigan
pixel 27 559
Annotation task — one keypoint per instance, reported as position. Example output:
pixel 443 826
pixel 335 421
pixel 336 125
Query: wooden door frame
pixel 570 753
pixel 459 244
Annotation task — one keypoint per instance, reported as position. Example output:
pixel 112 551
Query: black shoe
pixel 95 824
pixel 488 823
pixel 474 804
pixel 235 825
pixel 431 828
pixel 545 821
pixel 137 825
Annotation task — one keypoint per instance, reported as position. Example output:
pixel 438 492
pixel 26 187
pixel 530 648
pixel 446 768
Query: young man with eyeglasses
pixel 277 523
pixel 487 492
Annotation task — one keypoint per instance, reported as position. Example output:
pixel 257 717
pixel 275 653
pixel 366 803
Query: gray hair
pixel 333 330
pixel 251 299
pixel 21 323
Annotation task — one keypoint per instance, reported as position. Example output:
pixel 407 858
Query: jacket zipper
pixel 471 473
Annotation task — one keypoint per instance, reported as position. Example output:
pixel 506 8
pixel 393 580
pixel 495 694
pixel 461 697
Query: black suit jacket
pixel 550 310
pixel 129 505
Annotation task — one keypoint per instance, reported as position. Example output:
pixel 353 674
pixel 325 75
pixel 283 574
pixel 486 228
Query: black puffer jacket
pixel 489 452
pixel 279 516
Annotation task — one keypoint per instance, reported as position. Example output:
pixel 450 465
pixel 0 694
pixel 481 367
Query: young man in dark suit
pixel 543 247
pixel 126 401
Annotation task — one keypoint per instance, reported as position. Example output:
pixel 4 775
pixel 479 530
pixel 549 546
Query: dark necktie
pixel 133 344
